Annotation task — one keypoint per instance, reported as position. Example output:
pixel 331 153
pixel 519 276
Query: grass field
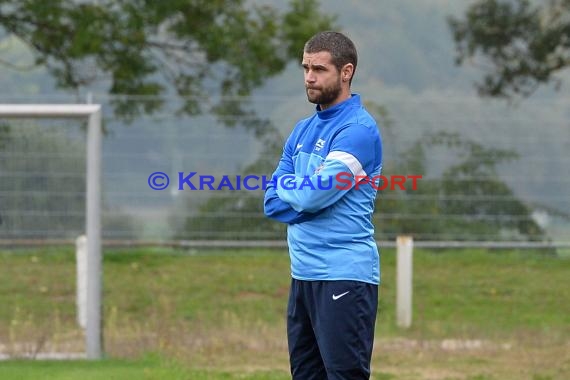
pixel 173 314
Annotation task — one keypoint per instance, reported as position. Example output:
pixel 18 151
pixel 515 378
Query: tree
pixel 202 48
pixel 468 201
pixel 521 45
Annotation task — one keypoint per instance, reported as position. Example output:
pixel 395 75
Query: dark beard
pixel 326 95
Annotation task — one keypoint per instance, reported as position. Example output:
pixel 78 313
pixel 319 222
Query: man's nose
pixel 309 77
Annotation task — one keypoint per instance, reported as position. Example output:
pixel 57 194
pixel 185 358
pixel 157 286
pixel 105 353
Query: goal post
pixel 93 329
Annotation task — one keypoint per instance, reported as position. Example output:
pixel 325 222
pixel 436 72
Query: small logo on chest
pixel 320 144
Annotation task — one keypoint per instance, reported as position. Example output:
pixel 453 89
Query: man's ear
pixel 346 72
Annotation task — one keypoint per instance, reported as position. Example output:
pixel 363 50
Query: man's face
pixel 322 80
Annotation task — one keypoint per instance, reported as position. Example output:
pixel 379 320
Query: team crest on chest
pixel 320 144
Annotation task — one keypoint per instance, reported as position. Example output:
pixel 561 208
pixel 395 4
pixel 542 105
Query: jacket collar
pixel 333 111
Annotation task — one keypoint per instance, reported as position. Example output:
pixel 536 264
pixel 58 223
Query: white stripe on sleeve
pixel 349 160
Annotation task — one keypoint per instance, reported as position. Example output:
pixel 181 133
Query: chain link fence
pixel 490 172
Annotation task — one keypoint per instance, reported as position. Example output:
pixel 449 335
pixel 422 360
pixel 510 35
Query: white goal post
pixel 93 328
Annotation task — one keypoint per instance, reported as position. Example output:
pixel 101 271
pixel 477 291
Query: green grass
pixel 224 311
pixel 143 369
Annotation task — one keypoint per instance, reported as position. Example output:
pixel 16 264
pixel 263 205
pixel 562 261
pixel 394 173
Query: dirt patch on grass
pixel 472 360
pixel 243 347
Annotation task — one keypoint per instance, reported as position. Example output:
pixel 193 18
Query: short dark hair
pixel 340 47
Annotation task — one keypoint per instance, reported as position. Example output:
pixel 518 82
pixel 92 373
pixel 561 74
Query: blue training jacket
pixel 315 190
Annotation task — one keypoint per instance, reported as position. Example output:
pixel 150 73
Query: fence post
pixel 404 266
pixel 81 264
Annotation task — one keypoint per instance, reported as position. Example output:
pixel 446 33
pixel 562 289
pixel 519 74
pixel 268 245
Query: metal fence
pixel 491 172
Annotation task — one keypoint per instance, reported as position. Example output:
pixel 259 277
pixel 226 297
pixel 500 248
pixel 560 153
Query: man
pixel 322 190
